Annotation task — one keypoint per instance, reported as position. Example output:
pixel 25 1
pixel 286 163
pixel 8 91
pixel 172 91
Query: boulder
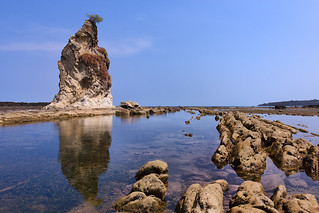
pixel 251 197
pixel 150 185
pixel 148 193
pixel 206 198
pixel 84 78
pixel 129 104
pixel 294 204
pixel 138 202
pixel 157 167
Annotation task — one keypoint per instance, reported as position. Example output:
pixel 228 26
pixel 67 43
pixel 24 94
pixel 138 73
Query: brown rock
pixel 206 198
pixel 84 78
pixel 156 167
pixel 294 204
pixel 129 104
pixel 150 185
pixel 251 196
pixel 138 202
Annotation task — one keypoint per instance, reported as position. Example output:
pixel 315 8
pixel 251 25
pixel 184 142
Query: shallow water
pixel 87 164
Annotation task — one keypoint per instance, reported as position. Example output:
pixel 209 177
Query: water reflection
pixel 132 119
pixel 84 153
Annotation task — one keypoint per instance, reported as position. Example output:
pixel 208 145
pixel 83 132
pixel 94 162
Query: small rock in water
pixel 187 122
pixel 189 134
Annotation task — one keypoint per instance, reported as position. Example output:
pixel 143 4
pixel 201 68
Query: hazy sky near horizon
pixel 239 53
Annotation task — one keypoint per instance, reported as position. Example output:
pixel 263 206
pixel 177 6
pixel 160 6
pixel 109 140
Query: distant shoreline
pixel 313 102
pixel 34 112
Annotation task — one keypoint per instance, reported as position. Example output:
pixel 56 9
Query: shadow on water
pixel 84 153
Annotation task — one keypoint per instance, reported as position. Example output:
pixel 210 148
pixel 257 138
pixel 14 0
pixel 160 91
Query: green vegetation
pixel 292 103
pixel 95 18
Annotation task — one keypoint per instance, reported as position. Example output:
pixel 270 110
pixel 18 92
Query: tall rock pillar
pixel 84 78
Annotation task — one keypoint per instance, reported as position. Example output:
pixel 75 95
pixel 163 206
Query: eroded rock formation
pixel 206 198
pixel 251 197
pixel 295 203
pixel 246 142
pixel 84 78
pixel 148 193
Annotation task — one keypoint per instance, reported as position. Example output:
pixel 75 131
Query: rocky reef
pixel 206 198
pixel 250 197
pixel 246 142
pixel 148 193
pixel 84 78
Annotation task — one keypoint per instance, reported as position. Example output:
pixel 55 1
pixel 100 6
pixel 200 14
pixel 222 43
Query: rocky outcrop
pixel 84 78
pixel 206 198
pixel 148 193
pixel 129 104
pixel 251 197
pixel 131 109
pixel 295 203
pixel 246 142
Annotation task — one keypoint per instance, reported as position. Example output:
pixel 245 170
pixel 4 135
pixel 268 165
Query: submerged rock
pixel 206 198
pixel 148 193
pixel 84 78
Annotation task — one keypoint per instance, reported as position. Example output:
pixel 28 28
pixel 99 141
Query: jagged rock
pixel 311 163
pixel 247 141
pixel 148 193
pixel 296 203
pixel 250 197
pixel 84 78
pixel 129 104
pixel 206 198
pixel 280 192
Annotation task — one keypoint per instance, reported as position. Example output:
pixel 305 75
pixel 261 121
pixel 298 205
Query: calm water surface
pixel 87 164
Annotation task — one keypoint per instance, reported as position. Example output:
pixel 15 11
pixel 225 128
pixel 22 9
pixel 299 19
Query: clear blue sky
pixel 169 52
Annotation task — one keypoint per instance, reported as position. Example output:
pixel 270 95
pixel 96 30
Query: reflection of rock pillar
pixel 84 152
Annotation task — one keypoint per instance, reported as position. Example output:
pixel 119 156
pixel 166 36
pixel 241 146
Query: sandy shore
pixel 27 116
pixel 24 114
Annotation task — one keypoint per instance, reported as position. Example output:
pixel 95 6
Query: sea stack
pixel 84 78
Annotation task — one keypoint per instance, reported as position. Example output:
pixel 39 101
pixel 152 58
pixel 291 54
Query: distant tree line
pixel 292 103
